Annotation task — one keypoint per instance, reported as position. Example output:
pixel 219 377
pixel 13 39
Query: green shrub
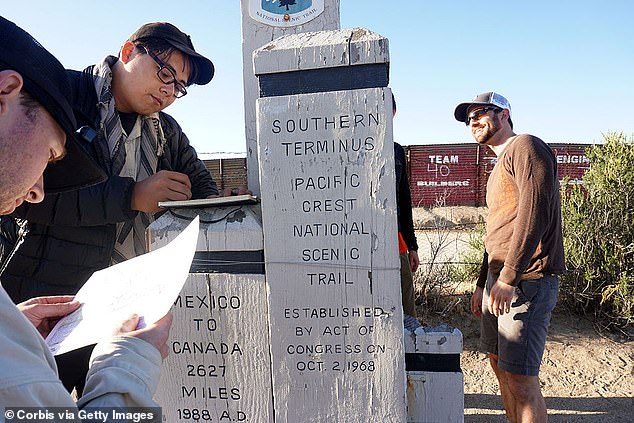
pixel 598 223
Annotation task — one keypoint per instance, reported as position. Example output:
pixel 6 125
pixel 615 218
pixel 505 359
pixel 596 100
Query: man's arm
pixel 162 186
pixel 406 220
pixel 414 261
pixel 533 167
pixel 484 271
pixel 125 371
pixel 476 298
pixel 45 312
pixel 534 170
pixel 183 158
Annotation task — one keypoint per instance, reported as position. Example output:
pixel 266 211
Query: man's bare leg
pixel 508 399
pixel 529 401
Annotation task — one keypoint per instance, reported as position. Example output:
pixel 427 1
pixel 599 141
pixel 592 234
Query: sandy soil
pixel 585 376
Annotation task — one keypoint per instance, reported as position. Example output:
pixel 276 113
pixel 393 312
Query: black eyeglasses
pixel 477 114
pixel 167 75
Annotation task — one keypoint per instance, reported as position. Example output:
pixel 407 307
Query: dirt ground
pixel 585 376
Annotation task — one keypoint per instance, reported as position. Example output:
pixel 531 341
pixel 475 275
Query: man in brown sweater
pixel 518 284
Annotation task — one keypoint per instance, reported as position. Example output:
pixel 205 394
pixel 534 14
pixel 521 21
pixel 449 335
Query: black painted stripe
pixel 236 262
pixel 424 362
pixel 324 79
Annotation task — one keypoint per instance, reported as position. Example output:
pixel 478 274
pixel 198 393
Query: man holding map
pixel 37 127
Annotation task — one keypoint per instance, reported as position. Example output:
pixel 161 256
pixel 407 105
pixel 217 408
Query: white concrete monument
pixel 330 232
pixel 292 312
pixel 218 368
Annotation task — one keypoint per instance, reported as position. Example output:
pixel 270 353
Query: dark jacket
pixel 404 200
pixel 12 233
pixel 72 234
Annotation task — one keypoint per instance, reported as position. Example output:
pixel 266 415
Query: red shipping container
pixel 572 162
pixel 443 174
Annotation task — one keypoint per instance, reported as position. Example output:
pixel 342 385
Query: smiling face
pixel 485 123
pixel 29 140
pixel 136 86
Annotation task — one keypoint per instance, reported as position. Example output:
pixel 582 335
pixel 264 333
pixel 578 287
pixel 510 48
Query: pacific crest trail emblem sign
pixel 285 13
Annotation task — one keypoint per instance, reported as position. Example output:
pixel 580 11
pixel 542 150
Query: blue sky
pixel 566 66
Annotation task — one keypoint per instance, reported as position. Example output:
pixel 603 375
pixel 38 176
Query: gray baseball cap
pixel 490 98
pixel 180 41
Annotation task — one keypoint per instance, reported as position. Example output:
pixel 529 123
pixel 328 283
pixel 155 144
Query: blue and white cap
pixel 490 98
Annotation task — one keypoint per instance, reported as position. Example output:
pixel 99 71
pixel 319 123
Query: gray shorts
pixel 518 338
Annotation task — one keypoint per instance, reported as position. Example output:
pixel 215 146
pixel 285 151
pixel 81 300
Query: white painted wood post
pixel 262 22
pixel 218 368
pixel 330 232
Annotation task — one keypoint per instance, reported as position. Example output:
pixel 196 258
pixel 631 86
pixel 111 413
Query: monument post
pixel 262 22
pixel 218 368
pixel 292 312
pixel 330 232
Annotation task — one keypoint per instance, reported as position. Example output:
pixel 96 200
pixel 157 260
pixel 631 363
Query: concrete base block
pixel 435 383
pixel 435 397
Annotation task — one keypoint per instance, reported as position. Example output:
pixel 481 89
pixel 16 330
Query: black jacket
pixel 72 234
pixel 404 200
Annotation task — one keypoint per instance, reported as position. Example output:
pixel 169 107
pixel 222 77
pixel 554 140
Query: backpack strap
pixel 84 104
pixel 84 97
